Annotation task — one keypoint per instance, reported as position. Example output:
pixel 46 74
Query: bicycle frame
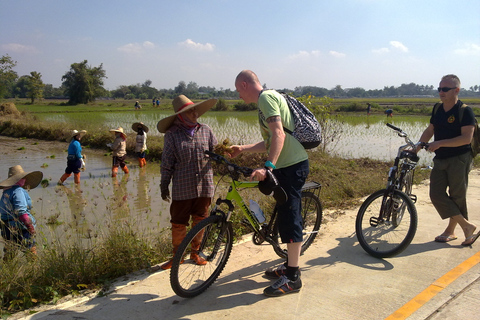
pixel 404 153
pixel 235 196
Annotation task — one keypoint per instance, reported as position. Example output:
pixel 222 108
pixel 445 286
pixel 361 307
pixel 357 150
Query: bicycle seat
pixel 270 185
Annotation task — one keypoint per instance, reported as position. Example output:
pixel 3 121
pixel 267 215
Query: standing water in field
pixel 99 200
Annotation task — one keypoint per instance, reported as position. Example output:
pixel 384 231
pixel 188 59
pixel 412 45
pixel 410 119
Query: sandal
pixel 445 238
pixel 470 240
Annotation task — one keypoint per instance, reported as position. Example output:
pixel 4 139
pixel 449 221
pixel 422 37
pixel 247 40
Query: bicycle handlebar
pixel 403 134
pixel 232 167
pixel 393 127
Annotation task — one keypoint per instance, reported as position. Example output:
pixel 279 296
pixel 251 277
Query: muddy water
pixel 85 210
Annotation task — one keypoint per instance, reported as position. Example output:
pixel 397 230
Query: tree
pixel 35 86
pixel 83 83
pixel 180 89
pixel 8 77
pixel 21 87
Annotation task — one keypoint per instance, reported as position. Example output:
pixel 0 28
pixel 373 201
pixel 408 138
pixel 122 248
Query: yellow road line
pixel 423 297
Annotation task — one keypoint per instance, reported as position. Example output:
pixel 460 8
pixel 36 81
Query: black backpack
pixel 475 143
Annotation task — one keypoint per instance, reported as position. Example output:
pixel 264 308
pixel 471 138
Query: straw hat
pixel 119 130
pixel 76 133
pixel 16 173
pixel 182 104
pixel 139 124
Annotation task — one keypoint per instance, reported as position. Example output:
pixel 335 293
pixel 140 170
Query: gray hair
pixel 452 78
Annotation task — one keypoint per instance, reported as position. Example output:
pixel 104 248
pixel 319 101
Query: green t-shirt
pixel 271 103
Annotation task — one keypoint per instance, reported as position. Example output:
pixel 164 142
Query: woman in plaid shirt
pixel 184 163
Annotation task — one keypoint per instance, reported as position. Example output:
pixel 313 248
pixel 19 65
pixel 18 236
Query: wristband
pixel 270 164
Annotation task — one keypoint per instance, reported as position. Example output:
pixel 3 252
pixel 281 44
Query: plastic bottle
pixel 257 212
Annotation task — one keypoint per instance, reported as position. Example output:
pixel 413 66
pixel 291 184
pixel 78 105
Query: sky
pixel 353 43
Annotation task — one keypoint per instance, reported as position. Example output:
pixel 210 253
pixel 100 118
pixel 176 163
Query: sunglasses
pixel 445 89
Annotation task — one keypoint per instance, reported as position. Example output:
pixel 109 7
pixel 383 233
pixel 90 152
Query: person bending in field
pixel 17 224
pixel 119 148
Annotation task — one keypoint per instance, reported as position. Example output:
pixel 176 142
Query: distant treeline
pixel 192 90
pixel 84 83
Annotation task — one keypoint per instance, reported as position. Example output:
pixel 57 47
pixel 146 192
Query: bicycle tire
pixel 386 239
pixel 312 214
pixel 189 279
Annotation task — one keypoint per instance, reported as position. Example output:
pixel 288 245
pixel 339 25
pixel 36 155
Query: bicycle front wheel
pixel 312 215
pixel 189 279
pixel 386 223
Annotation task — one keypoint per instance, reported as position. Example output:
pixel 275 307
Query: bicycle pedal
pixel 414 198
pixel 374 221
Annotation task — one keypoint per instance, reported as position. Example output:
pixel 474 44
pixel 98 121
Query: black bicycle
pixel 387 220
pixel 189 279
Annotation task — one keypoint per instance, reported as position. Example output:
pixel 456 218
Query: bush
pixel 220 106
pixel 242 106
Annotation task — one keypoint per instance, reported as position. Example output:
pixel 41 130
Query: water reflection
pixel 77 204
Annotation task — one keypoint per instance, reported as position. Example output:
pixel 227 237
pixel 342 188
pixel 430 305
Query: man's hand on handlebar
pixel 422 145
pixel 259 174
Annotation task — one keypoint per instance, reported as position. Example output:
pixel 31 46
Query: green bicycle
pixel 189 279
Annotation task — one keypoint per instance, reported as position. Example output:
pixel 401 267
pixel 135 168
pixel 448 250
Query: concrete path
pixel 340 280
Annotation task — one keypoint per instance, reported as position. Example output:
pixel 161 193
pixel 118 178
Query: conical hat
pixel 76 132
pixel 182 104
pixel 119 130
pixel 139 124
pixel 16 173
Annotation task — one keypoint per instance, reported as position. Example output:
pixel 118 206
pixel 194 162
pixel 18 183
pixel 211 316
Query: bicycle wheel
pixel 312 219
pixel 189 279
pixel 377 233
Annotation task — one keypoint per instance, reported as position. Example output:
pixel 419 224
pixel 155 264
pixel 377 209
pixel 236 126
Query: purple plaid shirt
pixel 184 163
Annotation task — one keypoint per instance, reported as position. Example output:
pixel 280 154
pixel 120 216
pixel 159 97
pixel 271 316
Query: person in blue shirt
pixel 75 158
pixel 17 223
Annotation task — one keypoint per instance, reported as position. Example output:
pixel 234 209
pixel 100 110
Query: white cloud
pixel 470 49
pixel 19 48
pixel 393 45
pixel 337 54
pixel 304 55
pixel 197 46
pixel 381 50
pixel 136 47
pixel 399 45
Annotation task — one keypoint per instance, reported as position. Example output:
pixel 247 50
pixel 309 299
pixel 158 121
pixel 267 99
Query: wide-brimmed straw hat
pixel 81 133
pixel 119 130
pixel 136 125
pixel 182 104
pixel 16 173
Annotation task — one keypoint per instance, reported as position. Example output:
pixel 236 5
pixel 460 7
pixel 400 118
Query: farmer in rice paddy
pixel 119 148
pixel 140 142
pixel 75 158
pixel 184 163
pixel 17 223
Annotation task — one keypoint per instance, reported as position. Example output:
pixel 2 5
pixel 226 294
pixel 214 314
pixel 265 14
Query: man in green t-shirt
pixel 288 161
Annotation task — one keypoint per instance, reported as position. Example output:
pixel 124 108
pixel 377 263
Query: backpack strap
pixel 261 113
pixel 460 111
